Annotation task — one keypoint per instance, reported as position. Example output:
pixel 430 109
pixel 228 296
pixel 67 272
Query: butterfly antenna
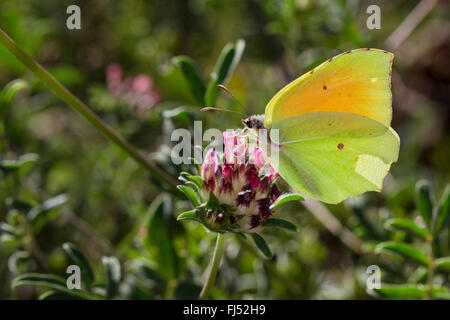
pixel 231 95
pixel 220 109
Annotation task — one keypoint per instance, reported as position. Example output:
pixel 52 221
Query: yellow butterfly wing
pixel 357 81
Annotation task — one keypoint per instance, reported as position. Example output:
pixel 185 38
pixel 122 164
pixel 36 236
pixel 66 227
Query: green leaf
pixel 407 291
pixel 161 226
pixel 403 249
pixel 8 166
pixel 424 200
pixel 193 79
pixel 286 198
pixel 80 259
pixel 19 205
pixel 113 275
pixel 408 226
pixel 188 215
pixel 419 275
pixel 195 188
pixel 52 295
pixel 280 223
pixel 8 234
pixel 211 91
pixel 48 281
pixel 224 68
pixel 228 60
pixel 11 90
pixel 442 263
pixel 46 212
pixel 261 244
pixel 191 194
pixel 197 180
pixel 442 210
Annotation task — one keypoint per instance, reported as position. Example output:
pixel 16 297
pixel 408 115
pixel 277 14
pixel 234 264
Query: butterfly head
pixel 254 122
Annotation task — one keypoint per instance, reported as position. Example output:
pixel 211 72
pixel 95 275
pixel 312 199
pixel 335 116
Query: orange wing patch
pixel 356 81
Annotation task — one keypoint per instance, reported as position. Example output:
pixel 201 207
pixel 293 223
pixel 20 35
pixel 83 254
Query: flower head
pixel 236 193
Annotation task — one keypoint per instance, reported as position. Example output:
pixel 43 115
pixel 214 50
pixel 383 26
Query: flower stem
pixel 430 270
pixel 84 110
pixel 213 267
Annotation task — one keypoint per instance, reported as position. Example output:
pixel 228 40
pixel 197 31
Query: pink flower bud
pixel 210 165
pixel 235 148
pixel 114 73
pixel 257 158
pixel 141 83
pixel 273 174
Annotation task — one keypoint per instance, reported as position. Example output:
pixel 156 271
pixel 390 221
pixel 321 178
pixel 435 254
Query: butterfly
pixel 332 124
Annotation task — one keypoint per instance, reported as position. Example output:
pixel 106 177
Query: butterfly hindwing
pixel 333 155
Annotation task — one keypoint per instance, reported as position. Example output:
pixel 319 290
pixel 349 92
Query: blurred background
pixel 74 186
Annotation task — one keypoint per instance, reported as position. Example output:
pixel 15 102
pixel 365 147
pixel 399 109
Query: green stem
pixel 84 110
pixel 430 270
pixel 214 266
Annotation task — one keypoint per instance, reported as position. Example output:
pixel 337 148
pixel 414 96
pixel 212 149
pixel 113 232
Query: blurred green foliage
pixel 68 196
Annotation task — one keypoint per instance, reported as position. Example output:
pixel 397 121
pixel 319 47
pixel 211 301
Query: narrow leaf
pixel 193 79
pixel 9 166
pixel 408 226
pixel 113 275
pixel 262 244
pixel 226 64
pixel 407 292
pixel 442 211
pixel 8 234
pixel 46 212
pixel 286 198
pixel 188 215
pixel 424 200
pixel 161 227
pixel 403 249
pixel 280 223
pixel 80 259
pixel 190 194
pixel 52 295
pixel 419 275
pixel 11 90
pixel 197 180
pixel 211 91
pixel 443 263
pixel 48 281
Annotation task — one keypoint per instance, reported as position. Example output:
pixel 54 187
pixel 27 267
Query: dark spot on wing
pixel 324 87
pixel 367 49
pixel 340 146
pixel 329 60
pixel 311 72
pixel 329 124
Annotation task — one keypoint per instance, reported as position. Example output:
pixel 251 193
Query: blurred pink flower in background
pixel 136 91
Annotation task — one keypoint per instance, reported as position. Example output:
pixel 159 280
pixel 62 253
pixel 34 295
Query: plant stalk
pixel 213 267
pixel 84 110
pixel 430 270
